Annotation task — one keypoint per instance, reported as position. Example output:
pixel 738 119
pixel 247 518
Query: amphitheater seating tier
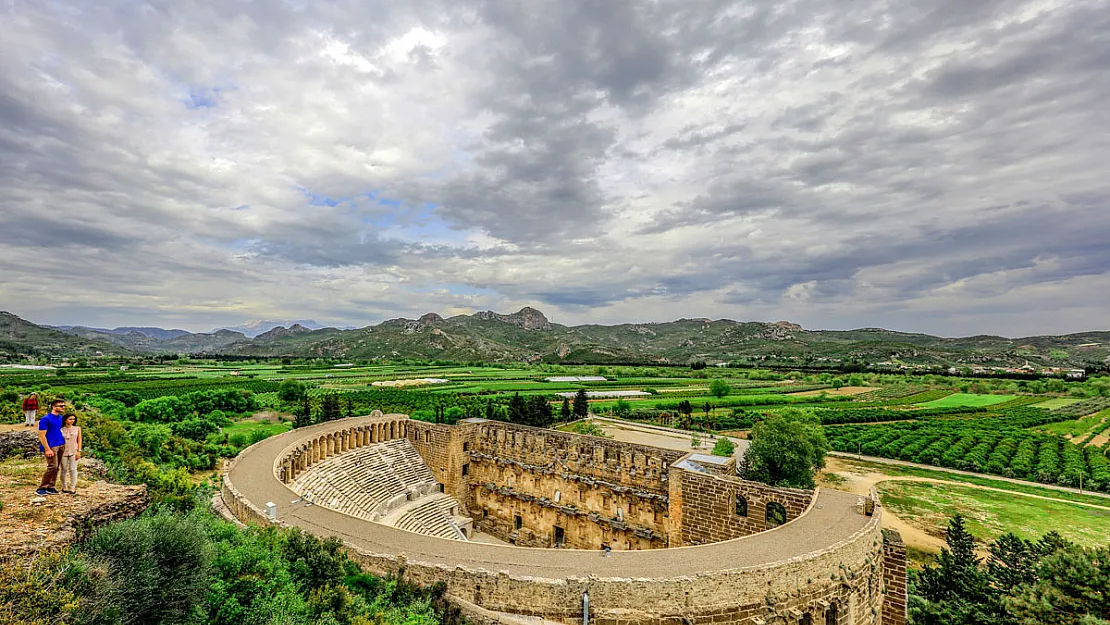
pixel 386 482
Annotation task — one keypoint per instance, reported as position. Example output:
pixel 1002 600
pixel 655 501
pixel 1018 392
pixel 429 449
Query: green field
pixel 990 514
pixel 1057 402
pixel 1078 427
pixel 967 399
pixel 250 427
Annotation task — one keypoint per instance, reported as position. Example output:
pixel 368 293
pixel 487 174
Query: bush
pixel 153 569
pixel 724 447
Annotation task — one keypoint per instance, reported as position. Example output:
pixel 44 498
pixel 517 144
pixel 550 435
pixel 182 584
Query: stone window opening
pixel 518 522
pixel 427 436
pixel 560 537
pixel 466 446
pixel 832 615
pixel 776 514
pixel 741 506
pixel 807 619
pixel 558 496
pixel 466 469
pixel 620 514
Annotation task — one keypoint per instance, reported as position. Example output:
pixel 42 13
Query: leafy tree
pixel 194 429
pixel 581 403
pixel 724 447
pixel 787 448
pixel 622 408
pixel 291 391
pixel 565 412
pixel 719 388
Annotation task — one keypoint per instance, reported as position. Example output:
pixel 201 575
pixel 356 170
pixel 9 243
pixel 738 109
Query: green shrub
pixel 153 569
pixel 724 447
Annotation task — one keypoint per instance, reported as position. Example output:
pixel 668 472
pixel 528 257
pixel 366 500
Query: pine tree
pixel 489 409
pixel 581 403
pixel 350 408
pixel 330 410
pixel 517 410
pixel 305 417
pixel 564 412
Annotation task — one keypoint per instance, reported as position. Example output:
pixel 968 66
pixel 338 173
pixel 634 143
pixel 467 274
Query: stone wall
pixel 445 450
pixel 846 579
pixel 894 579
pixel 704 506
pixel 541 488
pixel 612 461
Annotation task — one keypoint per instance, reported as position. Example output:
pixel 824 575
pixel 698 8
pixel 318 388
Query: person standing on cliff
pixel 52 444
pixel 72 452
pixel 30 409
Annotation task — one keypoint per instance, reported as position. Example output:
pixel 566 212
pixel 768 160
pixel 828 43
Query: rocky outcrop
pixel 430 319
pixel 29 523
pixel 19 444
pixel 527 318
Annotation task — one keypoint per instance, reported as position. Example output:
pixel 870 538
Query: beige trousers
pixel 68 477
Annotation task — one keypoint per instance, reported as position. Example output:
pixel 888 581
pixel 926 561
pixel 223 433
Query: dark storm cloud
pixel 862 161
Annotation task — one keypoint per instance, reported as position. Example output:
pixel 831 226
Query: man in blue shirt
pixel 51 444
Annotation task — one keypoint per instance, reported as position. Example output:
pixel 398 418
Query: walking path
pixel 929 467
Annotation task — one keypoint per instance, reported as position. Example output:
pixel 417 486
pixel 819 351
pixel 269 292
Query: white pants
pixel 29 417
pixel 68 478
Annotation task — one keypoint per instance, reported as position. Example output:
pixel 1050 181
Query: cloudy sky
pixel 937 166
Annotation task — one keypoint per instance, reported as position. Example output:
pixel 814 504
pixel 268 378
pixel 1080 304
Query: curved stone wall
pixel 830 561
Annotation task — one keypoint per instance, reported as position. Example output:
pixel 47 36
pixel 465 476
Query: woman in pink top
pixel 71 454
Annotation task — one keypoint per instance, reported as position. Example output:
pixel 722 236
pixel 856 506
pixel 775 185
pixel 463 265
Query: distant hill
pixel 19 337
pixel 528 335
pixel 255 328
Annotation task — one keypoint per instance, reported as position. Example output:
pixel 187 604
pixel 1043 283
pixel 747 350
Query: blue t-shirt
pixel 52 424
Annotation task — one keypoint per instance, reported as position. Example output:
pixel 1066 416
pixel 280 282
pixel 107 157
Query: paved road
pixel 831 520
pixel 929 467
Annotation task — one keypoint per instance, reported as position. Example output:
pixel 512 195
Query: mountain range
pixel 528 335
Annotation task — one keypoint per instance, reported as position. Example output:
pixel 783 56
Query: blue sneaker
pixel 42 491
pixel 52 491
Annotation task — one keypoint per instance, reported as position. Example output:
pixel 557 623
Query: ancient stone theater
pixel 526 525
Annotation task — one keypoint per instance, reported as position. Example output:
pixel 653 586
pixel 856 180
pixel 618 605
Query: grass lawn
pixel 967 399
pixel 1059 402
pixel 990 514
pixel 248 428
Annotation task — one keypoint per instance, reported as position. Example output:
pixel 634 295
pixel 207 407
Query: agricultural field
pixel 1057 402
pixel 967 399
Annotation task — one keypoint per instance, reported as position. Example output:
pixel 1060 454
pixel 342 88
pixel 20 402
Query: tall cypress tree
pixel 581 403
pixel 518 410
pixel 564 412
